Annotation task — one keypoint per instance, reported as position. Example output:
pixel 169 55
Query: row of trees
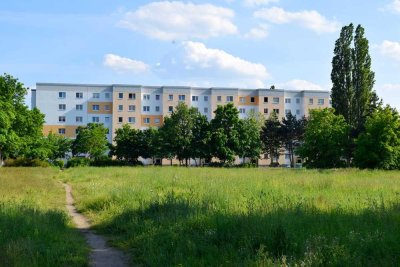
pixel 187 134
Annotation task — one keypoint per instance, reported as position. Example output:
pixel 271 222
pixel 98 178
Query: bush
pixel 108 162
pixel 78 162
pixel 58 163
pixel 24 162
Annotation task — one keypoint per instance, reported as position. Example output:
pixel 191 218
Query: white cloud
pixel 390 49
pixel 180 21
pixel 300 85
pixel 259 32
pixel 198 63
pixel 390 87
pixel 123 64
pixel 393 7
pixel 309 19
pixel 253 3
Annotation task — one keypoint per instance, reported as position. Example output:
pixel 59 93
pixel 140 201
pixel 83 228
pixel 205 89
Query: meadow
pixel 169 216
pixel 34 227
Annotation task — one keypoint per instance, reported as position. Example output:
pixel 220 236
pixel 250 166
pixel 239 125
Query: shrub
pixel 78 162
pixel 24 162
pixel 108 162
pixel 58 163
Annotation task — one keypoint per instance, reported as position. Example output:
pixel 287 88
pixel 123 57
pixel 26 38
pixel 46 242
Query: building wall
pixel 150 104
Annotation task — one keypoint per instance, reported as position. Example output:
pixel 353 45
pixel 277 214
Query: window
pixel 288 100
pixel 79 107
pixel 157 108
pixel 287 111
pixel 132 96
pixel 107 95
pixel 79 95
pixel 120 119
pixel 120 95
pixel 297 100
pixel 242 110
pixel 170 97
pixel 242 99
pixel 120 107
pixel 252 99
pixel 182 97
pixel 146 108
pixel 276 110
pixel 95 119
pixel 219 98
pixel 106 119
pixel 62 94
pixel 229 98
pixel 79 119
pixel 287 156
pixel 321 101
pixel 156 120
pixel 195 98
pixel 265 110
pixel 146 97
pixel 310 101
pixel 131 120
pixel 96 95
pixel 107 107
pixel 132 108
pixel 297 111
pixel 61 107
pixel 158 97
pixel 205 110
pixel 275 100
pixel 206 98
pixel 61 131
pixel 265 99
pixel 170 108
pixel 61 119
pixel 330 101
pixel 95 107
pixel 146 120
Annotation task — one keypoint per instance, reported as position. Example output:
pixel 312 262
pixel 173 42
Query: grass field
pixel 34 227
pixel 170 216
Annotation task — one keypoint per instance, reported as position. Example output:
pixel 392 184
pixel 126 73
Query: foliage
pixel 78 162
pixel 325 139
pixel 20 128
pixel 379 145
pixel 225 127
pixel 91 140
pixel 292 134
pixel 271 137
pixel 352 77
pixel 25 162
pixel 244 217
pixel 128 144
pixel 249 137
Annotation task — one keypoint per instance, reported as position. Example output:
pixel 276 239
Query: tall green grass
pixel 34 227
pixel 170 216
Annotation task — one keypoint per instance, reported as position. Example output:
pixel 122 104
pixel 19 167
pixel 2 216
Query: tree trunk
pixel 170 162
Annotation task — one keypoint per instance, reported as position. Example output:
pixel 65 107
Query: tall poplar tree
pixel 352 77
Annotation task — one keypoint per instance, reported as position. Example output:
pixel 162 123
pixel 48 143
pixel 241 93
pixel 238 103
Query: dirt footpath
pixel 101 254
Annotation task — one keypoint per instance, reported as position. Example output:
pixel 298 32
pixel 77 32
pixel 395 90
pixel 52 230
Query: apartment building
pixel 68 106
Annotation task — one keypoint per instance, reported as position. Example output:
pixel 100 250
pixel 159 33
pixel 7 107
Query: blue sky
pixel 233 43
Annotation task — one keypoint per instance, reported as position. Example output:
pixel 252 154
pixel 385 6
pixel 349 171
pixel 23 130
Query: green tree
pixel 292 133
pixel 225 135
pixel 91 140
pixel 379 145
pixel 150 144
pixel 325 139
pixel 199 147
pixel 249 137
pixel 127 144
pixel 271 137
pixel 59 146
pixel 20 128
